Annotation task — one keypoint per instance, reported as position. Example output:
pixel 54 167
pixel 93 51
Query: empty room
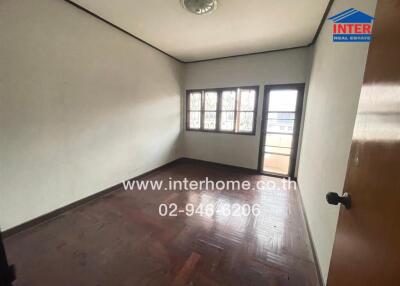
pixel 199 142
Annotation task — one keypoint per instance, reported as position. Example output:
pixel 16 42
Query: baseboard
pixel 204 162
pixel 316 260
pixel 57 212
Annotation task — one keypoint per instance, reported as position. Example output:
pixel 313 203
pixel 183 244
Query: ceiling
pixel 237 27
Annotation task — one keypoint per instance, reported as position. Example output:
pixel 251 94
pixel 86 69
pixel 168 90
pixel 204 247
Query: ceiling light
pixel 200 7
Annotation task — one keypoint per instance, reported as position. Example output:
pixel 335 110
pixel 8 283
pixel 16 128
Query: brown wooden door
pixel 367 243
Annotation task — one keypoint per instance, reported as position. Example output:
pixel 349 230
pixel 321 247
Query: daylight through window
pixel 227 110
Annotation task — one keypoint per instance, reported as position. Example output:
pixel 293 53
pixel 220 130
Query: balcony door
pixel 280 129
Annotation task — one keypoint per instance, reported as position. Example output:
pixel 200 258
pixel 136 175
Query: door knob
pixel 334 199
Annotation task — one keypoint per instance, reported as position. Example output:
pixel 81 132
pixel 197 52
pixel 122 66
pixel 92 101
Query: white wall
pixel 283 67
pixel 333 93
pixel 82 107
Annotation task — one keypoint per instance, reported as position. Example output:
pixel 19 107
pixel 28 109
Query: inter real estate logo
pixel 352 26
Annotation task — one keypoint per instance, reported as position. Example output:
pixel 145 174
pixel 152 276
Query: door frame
pixel 7 271
pixel 296 133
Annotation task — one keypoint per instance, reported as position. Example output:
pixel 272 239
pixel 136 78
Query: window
pixel 225 110
pixel 210 110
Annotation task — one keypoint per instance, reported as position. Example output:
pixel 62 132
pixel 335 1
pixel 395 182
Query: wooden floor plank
pixel 183 276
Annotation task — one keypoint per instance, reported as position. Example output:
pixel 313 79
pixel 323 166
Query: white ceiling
pixel 236 27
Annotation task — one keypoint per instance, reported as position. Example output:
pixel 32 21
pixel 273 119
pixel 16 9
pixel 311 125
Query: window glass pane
pixel 233 109
pixel 280 126
pixel 195 101
pixel 228 100
pixel 194 119
pixel 227 121
pixel 281 115
pixel 210 120
pixel 278 150
pixel 247 99
pixel 245 121
pixel 210 102
pixel 278 140
pixel 282 100
pixel 276 163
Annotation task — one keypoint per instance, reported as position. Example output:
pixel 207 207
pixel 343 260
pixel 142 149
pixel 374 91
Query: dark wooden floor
pixel 120 239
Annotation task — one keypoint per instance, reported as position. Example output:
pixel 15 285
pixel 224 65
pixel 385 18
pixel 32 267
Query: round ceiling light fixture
pixel 200 7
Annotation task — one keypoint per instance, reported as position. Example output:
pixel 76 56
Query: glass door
pixel 280 129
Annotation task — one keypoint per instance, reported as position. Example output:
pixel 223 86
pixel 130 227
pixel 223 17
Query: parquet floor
pixel 120 239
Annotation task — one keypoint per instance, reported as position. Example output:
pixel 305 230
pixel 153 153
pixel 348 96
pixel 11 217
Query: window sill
pixel 222 132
